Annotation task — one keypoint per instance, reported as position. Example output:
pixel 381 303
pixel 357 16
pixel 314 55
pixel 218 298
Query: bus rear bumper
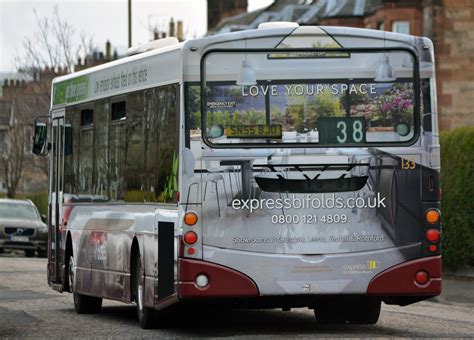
pixel 222 281
pixel 399 280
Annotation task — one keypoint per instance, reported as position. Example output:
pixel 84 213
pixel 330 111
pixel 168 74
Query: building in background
pixel 448 23
pixel 218 9
pixel 24 96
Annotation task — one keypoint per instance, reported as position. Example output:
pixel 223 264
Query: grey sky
pixel 105 19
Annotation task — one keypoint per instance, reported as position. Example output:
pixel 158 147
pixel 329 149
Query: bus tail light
pixel 433 248
pixel 190 237
pixel 190 218
pixel 421 277
pixel 432 216
pixel 432 235
pixel 191 251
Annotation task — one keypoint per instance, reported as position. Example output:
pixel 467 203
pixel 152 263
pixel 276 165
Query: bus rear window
pixel 312 107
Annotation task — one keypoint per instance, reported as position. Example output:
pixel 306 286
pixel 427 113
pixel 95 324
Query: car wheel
pixel 146 315
pixel 43 253
pixel 29 253
pixel 83 304
pixel 1 250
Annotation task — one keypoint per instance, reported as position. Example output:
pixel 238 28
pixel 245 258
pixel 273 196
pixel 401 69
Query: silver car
pixel 21 227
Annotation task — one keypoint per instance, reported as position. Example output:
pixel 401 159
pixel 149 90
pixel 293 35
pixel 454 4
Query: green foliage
pixel 457 181
pixel 249 117
pixel 306 115
pixel 171 186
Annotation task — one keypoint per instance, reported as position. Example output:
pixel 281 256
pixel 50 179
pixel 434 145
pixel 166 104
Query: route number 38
pixel 341 130
pixel 357 132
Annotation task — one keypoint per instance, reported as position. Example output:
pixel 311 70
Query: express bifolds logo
pixel 309 202
pixel 361 268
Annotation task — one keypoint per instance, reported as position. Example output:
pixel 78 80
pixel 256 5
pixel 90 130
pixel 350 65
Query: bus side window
pixel 426 111
pixel 67 139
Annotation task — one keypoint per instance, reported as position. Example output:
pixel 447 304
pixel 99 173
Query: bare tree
pixel 13 156
pixel 51 51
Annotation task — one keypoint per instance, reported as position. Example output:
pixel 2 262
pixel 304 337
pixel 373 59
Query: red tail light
pixel 421 277
pixel 432 235
pixel 190 237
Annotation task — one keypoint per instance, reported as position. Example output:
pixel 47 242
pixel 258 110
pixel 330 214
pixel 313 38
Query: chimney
pixel 108 50
pixel 171 28
pixel 156 34
pixel 179 33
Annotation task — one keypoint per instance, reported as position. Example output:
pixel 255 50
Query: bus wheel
pixel 146 315
pixel 355 311
pixel 366 312
pixel 83 304
pixel 328 315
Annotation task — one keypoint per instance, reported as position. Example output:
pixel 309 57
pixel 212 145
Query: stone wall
pixel 453 35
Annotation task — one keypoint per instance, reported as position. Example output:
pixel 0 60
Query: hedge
pixel 457 201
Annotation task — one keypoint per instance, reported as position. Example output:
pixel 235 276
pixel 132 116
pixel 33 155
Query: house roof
pixel 304 12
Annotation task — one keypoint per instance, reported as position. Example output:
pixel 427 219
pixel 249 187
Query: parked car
pixel 21 227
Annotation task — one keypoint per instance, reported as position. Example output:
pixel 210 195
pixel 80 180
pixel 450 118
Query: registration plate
pixel 19 238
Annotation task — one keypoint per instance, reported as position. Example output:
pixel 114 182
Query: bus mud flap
pixel 165 259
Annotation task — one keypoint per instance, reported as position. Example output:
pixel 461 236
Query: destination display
pixel 340 130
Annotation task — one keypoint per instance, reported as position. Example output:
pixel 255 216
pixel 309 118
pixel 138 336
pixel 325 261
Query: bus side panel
pixel 102 238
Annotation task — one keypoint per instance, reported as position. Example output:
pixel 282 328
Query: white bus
pixel 312 179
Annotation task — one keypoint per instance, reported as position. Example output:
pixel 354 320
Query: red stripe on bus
pixel 223 281
pixel 400 279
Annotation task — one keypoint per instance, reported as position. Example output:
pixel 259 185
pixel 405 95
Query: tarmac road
pixel 29 308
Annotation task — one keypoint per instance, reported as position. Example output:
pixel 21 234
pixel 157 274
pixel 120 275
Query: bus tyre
pixel 83 304
pixel 359 311
pixel 146 315
pixel 329 315
pixel 366 312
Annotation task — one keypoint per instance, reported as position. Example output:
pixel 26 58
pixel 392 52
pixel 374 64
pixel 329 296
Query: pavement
pixel 457 290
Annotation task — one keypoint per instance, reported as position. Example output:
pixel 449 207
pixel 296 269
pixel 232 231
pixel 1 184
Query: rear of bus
pixel 312 179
